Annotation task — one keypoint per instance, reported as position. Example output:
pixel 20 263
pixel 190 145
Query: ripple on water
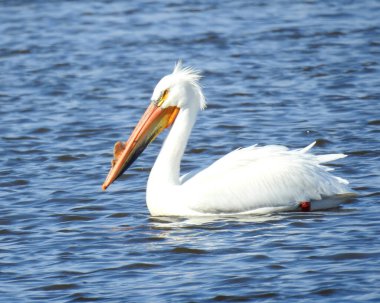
pixel 67 158
pixel 56 287
pixel 346 256
pixel 41 130
pixel 20 182
pixel 187 250
pixel 70 218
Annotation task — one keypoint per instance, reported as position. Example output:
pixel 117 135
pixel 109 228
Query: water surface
pixel 76 76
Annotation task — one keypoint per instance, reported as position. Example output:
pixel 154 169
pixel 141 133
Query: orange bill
pixel 152 123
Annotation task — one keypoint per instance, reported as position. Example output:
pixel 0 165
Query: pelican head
pixel 180 89
pixel 177 91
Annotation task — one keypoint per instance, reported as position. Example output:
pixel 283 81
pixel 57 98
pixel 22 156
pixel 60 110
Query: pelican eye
pixel 163 97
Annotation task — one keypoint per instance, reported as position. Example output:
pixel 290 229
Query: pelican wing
pixel 256 177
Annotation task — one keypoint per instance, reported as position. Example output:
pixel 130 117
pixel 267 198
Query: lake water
pixel 76 76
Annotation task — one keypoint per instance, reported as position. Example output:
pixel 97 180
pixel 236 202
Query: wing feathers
pixel 307 148
pixel 269 176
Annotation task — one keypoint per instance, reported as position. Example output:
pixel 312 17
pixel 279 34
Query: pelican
pixel 245 181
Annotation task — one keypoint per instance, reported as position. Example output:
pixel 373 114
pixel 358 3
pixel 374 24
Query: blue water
pixel 76 76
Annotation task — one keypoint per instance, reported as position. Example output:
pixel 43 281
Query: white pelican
pixel 248 180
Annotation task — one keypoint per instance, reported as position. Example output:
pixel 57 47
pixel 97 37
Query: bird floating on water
pixel 248 180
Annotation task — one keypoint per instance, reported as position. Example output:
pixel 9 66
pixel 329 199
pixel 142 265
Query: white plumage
pixel 248 180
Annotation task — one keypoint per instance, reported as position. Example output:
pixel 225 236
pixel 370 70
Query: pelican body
pixel 248 180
